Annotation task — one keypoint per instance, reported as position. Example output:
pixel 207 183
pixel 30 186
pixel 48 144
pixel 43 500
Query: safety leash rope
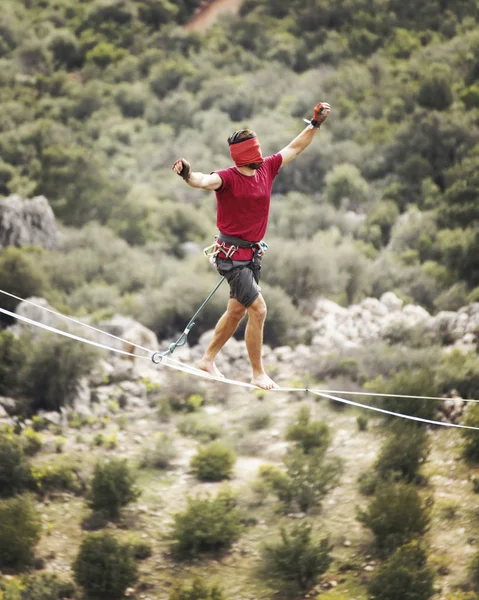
pixel 157 357
pixel 168 362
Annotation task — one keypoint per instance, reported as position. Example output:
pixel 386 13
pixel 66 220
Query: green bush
pixel 404 576
pixel 474 570
pixel 470 436
pixel 19 276
pixel 414 382
pixel 306 481
pixel 201 427
pixel 15 474
pixel 259 418
pixel 200 589
pixel 403 453
pixel 214 462
pixel 207 525
pixel 45 586
pixel 295 562
pixel 459 372
pixel 20 529
pixel 104 567
pixel 12 357
pixel 32 441
pixel 52 477
pixel 54 370
pixel 362 422
pixel 309 435
pixel 142 550
pixel 112 487
pixel 160 455
pixel 396 515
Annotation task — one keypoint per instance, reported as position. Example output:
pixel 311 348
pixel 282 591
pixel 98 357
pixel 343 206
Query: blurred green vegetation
pixel 97 100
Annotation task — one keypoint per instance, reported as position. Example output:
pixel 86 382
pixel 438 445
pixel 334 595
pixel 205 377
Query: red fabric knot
pixel 246 152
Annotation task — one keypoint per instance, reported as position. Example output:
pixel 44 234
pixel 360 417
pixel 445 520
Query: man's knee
pixel 236 310
pixel 258 309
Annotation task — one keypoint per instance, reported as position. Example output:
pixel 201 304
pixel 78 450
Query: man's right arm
pixel 195 179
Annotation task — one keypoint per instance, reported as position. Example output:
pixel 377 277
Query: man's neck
pixel 246 171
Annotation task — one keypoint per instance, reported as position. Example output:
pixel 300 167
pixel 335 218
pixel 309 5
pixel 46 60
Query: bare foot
pixel 263 381
pixel 210 367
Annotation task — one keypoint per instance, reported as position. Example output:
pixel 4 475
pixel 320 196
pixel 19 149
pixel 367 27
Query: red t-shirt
pixel 242 203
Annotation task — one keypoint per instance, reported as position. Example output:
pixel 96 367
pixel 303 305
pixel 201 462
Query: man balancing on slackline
pixel 243 195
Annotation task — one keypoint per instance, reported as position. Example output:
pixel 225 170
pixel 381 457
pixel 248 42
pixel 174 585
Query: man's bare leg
pixel 254 343
pixel 224 329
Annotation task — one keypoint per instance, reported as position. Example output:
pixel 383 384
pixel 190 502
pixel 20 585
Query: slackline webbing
pixel 173 364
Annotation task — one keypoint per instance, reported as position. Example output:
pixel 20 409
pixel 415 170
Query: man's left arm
pixel 302 141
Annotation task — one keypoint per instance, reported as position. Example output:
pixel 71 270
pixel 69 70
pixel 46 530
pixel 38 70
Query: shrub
pixel 53 372
pixel 20 529
pixel 345 183
pixel 15 474
pixel 460 372
pixel 418 382
pixel 104 567
pixel 200 589
pixel 141 550
pixel 395 515
pixel 404 576
pixel 470 436
pixel 20 276
pixel 295 562
pixel 12 358
pixel 203 428
pixel 46 586
pixel 32 441
pixel 55 477
pixel 161 454
pixel 306 480
pixel 215 462
pixel 207 525
pixel 403 453
pixel 309 435
pixel 181 393
pixel 362 422
pixel 112 487
pixel 258 418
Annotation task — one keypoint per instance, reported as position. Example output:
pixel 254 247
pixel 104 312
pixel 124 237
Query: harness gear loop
pixel 157 357
pixel 228 245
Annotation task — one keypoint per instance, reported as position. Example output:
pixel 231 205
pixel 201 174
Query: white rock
pixel 391 301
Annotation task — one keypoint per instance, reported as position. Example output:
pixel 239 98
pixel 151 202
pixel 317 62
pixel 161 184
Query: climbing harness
pixel 228 245
pixel 169 362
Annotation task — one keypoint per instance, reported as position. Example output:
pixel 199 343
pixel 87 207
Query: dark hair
pixel 241 136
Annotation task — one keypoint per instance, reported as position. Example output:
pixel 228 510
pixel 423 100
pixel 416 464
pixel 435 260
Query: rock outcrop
pixel 27 223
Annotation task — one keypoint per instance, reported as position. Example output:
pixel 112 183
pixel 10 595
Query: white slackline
pixel 168 362
pixel 54 312
pixel 388 412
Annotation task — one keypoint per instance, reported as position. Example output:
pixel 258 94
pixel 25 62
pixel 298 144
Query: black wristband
pixel 315 123
pixel 185 172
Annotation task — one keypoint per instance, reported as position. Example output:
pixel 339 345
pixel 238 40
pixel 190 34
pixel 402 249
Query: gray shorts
pixel 243 278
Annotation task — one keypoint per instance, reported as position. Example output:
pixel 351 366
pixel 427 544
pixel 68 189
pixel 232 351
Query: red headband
pixel 246 152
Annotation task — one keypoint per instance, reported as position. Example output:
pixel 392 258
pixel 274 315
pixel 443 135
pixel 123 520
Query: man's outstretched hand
pixel 182 168
pixel 320 113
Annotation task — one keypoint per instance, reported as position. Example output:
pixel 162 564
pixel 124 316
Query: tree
pixel 309 435
pixel 112 487
pixel 19 276
pixel 20 528
pixel 404 576
pixel 207 525
pixel 295 562
pixel 395 515
pixel 215 462
pixel 15 473
pixel 346 184
pixel 104 567
pixel 403 453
